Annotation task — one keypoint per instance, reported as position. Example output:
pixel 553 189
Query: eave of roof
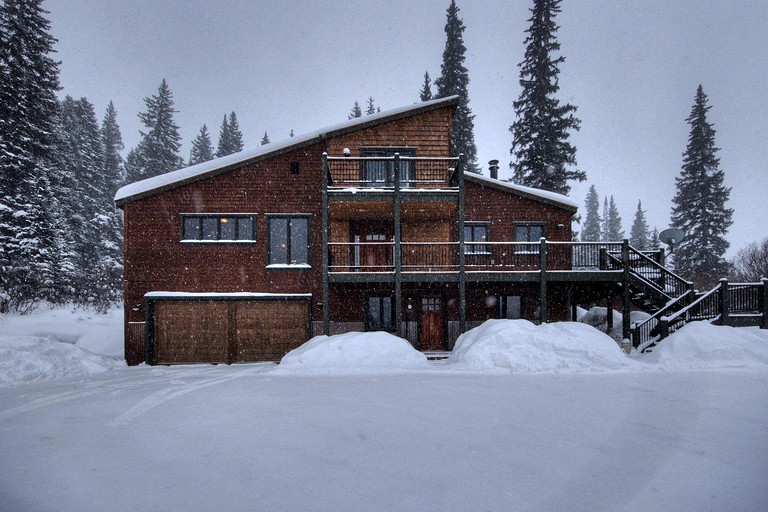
pixel 544 196
pixel 157 184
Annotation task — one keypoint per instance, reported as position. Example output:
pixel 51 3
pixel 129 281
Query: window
pixel 379 315
pixel 218 228
pixel 529 233
pixel 475 232
pixel 510 307
pixel 288 239
pixel 381 173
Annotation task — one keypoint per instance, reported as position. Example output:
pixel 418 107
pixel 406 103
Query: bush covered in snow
pixel 354 351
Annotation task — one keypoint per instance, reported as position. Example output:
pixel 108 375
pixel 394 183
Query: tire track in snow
pixel 164 395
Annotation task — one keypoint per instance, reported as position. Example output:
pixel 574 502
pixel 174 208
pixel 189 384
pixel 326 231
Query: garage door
pixel 197 330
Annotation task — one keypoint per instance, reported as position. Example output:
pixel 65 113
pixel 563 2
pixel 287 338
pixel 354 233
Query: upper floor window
pixel 381 173
pixel 475 233
pixel 288 240
pixel 213 228
pixel 532 233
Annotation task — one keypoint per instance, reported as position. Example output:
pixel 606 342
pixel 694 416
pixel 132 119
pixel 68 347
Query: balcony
pixel 387 174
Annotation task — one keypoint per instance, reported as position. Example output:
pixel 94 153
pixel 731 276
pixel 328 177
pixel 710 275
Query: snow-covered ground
pixel 521 417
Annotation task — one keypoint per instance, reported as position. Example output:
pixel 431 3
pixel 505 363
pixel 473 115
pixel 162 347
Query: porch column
pixel 397 251
pixel 543 314
pixel 764 303
pixel 462 256
pixel 626 327
pixel 326 249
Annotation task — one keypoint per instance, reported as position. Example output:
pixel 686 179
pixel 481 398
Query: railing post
pixel 625 298
pixel 543 314
pixel 462 254
pixel 398 250
pixel 663 327
pixel 763 300
pixel 725 302
pixel 326 249
pixel 603 263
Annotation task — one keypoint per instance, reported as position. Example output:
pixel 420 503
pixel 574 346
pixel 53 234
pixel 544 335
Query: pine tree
pixel 355 112
pixel 158 150
pixel 225 138
pixel 265 139
pixel 454 80
pixel 426 89
pixel 540 133
pixel 112 145
pixel 235 135
pixel 202 147
pixel 654 242
pixel 612 230
pixel 638 235
pixel 371 107
pixel 591 231
pixel 699 203
pixel 29 79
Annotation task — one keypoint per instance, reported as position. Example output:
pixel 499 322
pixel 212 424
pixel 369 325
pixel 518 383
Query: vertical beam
pixel 725 303
pixel 397 250
pixel 543 313
pixel 626 326
pixel 462 255
pixel 326 249
pixel 609 311
pixel 764 303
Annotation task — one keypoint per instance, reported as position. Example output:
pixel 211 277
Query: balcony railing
pixel 478 256
pixel 379 172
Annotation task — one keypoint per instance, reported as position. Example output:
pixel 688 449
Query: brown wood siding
pixel 191 332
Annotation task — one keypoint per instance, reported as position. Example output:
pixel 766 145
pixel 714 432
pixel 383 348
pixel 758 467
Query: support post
pixel 625 299
pixel 725 302
pixel 543 314
pixel 764 303
pixel 462 255
pixel 663 327
pixel 609 311
pixel 397 251
pixel 326 249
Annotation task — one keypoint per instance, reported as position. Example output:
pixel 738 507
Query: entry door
pixel 432 333
pixel 372 249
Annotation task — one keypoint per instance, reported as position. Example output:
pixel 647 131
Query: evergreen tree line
pixel 607 227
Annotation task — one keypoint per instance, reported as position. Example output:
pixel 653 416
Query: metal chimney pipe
pixel 493 166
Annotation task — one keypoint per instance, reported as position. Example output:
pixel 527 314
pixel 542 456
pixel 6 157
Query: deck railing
pixel 379 172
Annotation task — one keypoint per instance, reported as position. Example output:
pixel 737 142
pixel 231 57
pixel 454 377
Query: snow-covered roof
pixel 143 188
pixel 535 193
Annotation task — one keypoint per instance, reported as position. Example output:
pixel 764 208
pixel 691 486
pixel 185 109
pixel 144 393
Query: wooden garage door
pixel 228 331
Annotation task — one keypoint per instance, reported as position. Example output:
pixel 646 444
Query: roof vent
pixel 493 166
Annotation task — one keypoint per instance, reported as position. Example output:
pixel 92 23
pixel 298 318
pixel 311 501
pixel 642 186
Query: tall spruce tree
pixel 454 80
pixel 638 235
pixel 591 231
pixel 202 147
pixel 158 150
pixel 355 112
pixel 425 94
pixel 235 135
pixel 371 106
pixel 612 230
pixel 653 241
pixel 699 203
pixel 112 145
pixel 265 139
pixel 29 79
pixel 541 148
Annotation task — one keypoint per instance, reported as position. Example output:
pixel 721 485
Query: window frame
pixel 270 217
pixel 477 250
pixel 369 326
pixel 201 217
pixel 533 247
pixel 388 152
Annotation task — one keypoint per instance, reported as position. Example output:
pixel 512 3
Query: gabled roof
pixel 536 194
pixel 157 184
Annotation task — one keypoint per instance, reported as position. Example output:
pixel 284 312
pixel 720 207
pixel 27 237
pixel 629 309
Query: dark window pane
pixel 191 228
pixel 537 232
pixel 521 234
pixel 227 227
pixel 513 307
pixel 245 228
pixel 374 313
pixel 299 238
pixel 278 241
pixel 387 322
pixel 210 228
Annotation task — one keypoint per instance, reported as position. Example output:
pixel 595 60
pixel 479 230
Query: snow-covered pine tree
pixel 540 134
pixel 202 147
pixel 356 111
pixel 653 241
pixel 111 146
pixel 265 139
pixel 158 150
pixel 371 107
pixel 613 232
pixel 425 94
pixel 454 79
pixel 591 231
pixel 29 79
pixel 224 146
pixel 235 135
pixel 638 235
pixel 699 203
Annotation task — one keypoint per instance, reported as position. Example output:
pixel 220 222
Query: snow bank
pixel 31 358
pixel 354 352
pixel 521 346
pixel 597 317
pixel 701 345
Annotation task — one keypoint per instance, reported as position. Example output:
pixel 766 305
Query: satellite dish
pixel 672 236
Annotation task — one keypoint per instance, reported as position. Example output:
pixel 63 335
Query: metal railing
pixel 379 172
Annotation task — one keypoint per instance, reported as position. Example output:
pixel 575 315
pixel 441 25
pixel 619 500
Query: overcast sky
pixel 632 68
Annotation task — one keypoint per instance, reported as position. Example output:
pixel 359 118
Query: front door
pixel 432 329
pixel 372 246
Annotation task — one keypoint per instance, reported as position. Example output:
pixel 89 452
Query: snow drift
pixel 521 346
pixel 354 352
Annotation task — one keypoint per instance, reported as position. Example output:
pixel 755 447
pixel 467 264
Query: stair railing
pixel 645 333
